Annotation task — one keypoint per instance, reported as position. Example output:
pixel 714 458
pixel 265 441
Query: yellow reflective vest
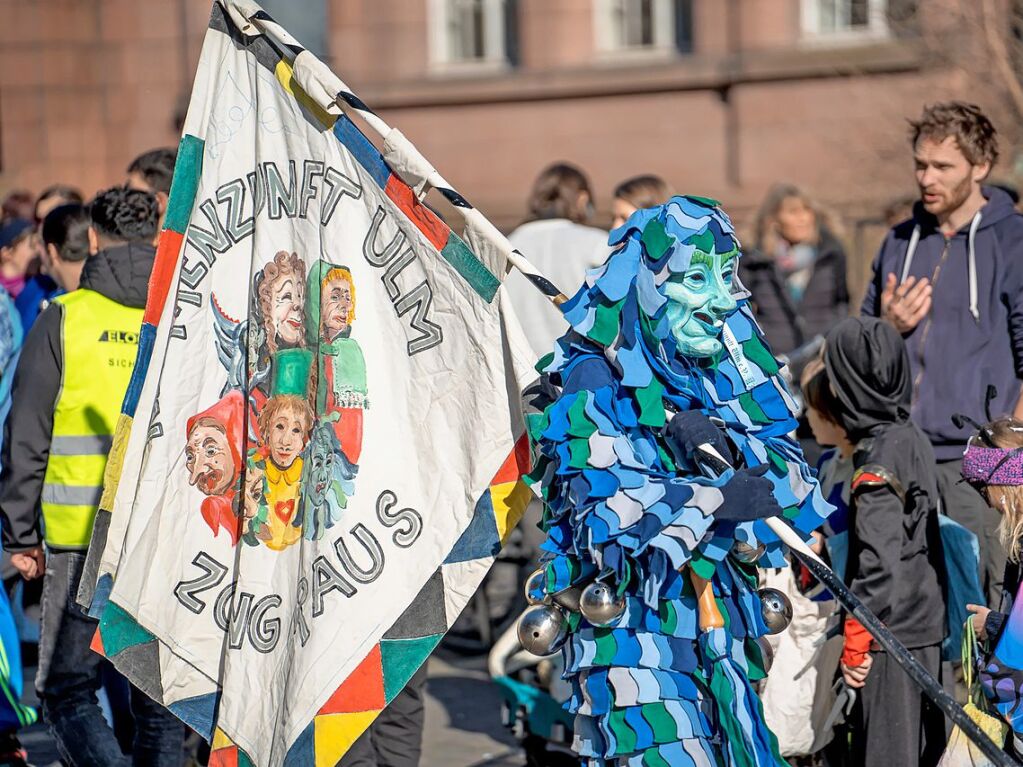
pixel 99 340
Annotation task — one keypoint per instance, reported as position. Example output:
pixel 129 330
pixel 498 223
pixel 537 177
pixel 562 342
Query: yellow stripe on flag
pixel 115 461
pixel 285 74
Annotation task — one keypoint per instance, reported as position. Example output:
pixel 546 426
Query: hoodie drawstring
pixel 972 266
pixel 971 256
pixel 914 240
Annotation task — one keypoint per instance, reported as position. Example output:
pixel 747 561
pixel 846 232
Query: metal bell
pixel 569 598
pixel 743 552
pixel 536 583
pixel 600 605
pixel 776 609
pixel 767 652
pixel 543 629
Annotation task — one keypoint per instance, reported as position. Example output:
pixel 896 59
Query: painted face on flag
pixel 253 496
pixel 287 314
pixel 337 302
pixel 208 458
pixel 284 425
pixel 699 300
pixel 320 466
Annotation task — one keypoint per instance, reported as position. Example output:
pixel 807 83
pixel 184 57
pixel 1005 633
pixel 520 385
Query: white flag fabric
pixel 322 446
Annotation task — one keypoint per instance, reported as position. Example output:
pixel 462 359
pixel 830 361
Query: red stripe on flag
pixel 163 274
pixel 516 464
pixel 436 231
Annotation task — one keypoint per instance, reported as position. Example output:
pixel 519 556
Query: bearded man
pixel 950 279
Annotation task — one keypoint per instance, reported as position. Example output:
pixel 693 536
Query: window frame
pixel 665 30
pixel 496 45
pixel 876 29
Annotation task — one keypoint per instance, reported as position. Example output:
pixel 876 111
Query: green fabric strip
pixel 759 355
pixel 471 269
pixel 185 183
pixel 656 239
pixel 606 323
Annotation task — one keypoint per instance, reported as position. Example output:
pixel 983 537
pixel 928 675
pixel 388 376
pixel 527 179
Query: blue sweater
pixel 974 333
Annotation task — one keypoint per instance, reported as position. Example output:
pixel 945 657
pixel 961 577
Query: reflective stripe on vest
pixel 99 341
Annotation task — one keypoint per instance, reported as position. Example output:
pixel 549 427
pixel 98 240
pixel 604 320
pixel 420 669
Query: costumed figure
pixel 662 669
pixel 285 423
pixel 340 367
pixel 326 483
pixel 213 460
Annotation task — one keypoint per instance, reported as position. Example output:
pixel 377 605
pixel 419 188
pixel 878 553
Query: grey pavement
pixel 463 720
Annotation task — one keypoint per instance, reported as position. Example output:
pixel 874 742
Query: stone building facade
pixel 721 97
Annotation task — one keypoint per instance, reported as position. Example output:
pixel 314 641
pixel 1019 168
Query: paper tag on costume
pixel 738 357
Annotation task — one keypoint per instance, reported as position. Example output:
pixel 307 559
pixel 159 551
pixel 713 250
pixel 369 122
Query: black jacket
pixel 896 563
pixel 120 273
pixel 825 301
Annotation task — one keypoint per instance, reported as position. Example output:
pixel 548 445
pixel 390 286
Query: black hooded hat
pixel 868 368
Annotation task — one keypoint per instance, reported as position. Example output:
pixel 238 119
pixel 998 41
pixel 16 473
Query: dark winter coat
pixel 896 563
pixel 973 335
pixel 786 323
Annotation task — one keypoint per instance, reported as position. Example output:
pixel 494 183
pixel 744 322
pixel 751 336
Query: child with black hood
pixel 895 558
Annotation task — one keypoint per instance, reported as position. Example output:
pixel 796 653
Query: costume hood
pixel 868 367
pixel 620 314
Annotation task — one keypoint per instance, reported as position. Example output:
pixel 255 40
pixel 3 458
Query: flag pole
pixel 322 82
pixel 331 92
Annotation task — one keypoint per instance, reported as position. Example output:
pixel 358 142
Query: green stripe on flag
pixel 185 183
pixel 473 271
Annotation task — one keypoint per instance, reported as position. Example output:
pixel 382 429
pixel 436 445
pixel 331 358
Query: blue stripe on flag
pixel 364 151
pixel 147 339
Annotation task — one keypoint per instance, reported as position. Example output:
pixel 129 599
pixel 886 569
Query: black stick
pixel 932 689
pixel 713 465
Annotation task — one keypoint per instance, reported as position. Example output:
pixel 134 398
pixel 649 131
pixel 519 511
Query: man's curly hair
pixel 972 130
pixel 125 215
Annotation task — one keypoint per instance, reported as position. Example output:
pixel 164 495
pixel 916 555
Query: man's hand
pixel 31 563
pixel 905 305
pixel 979 619
pixel 856 676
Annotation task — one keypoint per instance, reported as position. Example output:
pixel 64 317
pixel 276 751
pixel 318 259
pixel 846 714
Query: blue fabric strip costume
pixel 623 506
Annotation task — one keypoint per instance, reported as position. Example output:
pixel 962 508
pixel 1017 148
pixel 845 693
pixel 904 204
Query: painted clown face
pixel 253 491
pixel 287 310
pixel 208 458
pixel 336 306
pixel 699 301
pixel 286 435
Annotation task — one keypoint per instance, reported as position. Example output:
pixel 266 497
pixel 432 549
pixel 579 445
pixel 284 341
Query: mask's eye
pixel 696 279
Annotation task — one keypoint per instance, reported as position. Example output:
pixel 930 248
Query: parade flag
pixel 322 445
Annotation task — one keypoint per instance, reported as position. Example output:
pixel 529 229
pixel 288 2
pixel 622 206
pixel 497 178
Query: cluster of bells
pixel 543 628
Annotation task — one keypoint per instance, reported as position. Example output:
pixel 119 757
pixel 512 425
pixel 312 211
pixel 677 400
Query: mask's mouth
pixel 711 323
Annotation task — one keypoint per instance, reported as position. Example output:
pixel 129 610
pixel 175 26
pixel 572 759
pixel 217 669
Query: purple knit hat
pixel 993 465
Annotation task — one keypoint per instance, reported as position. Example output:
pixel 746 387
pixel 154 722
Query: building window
pixel 306 21
pixel 643 26
pixel 852 19
pixel 471 34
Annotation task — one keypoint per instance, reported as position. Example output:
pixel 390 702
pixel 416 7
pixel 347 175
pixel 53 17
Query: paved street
pixel 463 726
